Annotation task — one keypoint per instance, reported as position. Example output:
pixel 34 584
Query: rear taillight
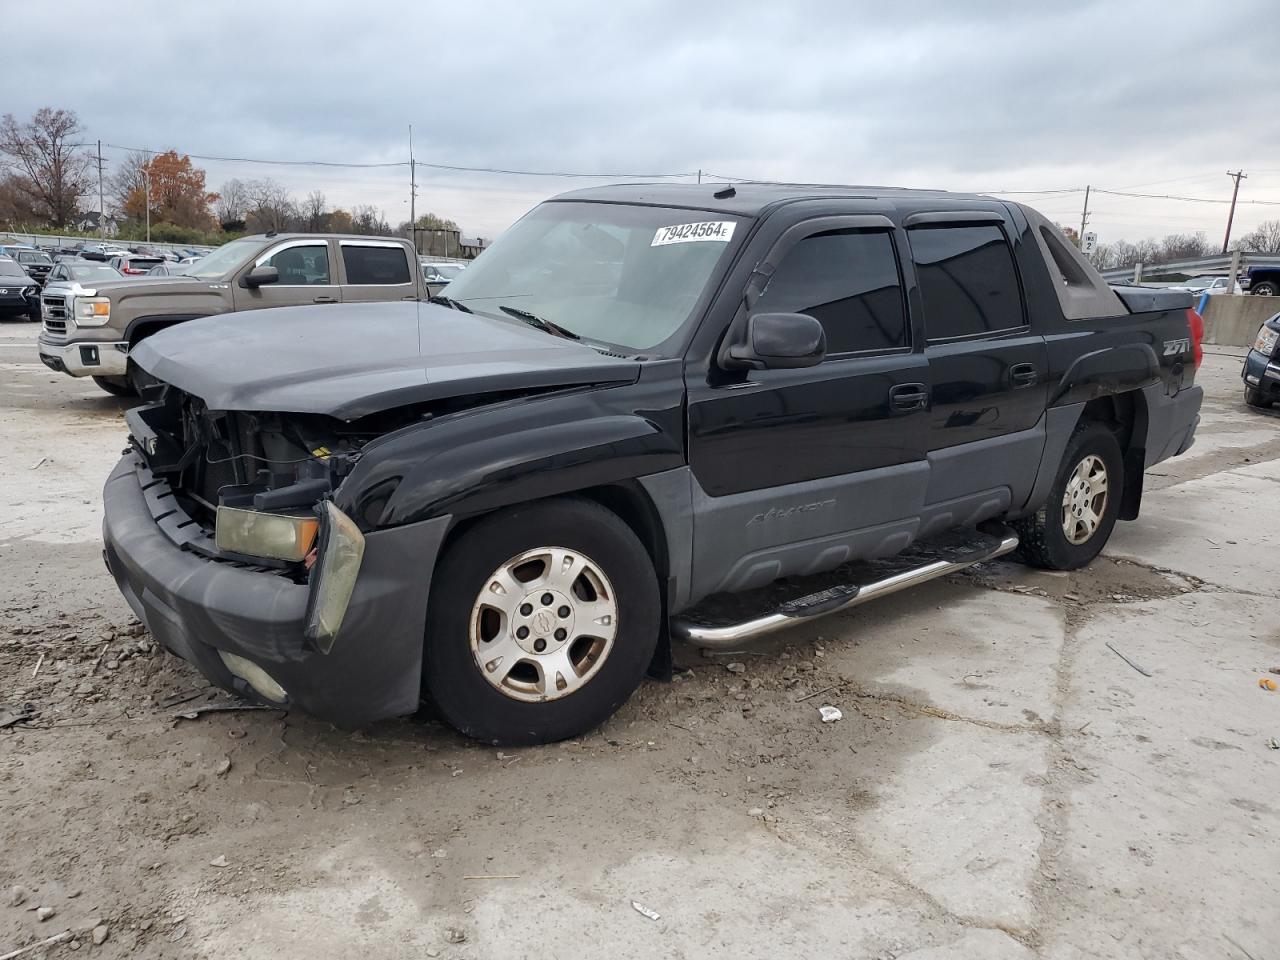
pixel 1196 323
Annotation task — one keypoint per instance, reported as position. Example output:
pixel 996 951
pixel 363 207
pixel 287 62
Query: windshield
pixel 33 258
pixel 223 260
pixel 449 271
pixel 1202 281
pixel 624 275
pixel 93 273
pixel 10 269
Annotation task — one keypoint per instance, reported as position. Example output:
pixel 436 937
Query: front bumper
pixel 13 302
pixel 195 606
pixel 104 359
pixel 1263 374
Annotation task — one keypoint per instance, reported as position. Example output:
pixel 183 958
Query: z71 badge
pixel 1176 348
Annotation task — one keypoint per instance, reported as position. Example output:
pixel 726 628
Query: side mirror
pixel 774 341
pixel 260 276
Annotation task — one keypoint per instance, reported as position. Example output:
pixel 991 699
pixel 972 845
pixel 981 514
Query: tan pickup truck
pixel 89 330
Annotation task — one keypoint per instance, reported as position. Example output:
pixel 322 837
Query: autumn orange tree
pixel 178 193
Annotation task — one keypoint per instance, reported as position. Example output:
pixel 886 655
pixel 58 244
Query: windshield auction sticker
pixel 721 230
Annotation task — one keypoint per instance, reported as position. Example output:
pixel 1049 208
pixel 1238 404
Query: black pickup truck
pixel 509 500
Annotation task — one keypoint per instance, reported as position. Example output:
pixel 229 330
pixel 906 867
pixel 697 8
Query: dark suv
pixel 1261 371
pixel 508 500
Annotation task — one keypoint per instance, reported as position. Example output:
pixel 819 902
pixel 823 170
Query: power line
pixel 404 163
pixel 1154 196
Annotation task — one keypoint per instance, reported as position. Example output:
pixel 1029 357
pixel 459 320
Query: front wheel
pixel 1267 288
pixel 1076 521
pixel 541 623
pixel 116 386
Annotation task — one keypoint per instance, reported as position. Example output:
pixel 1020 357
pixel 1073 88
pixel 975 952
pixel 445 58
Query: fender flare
pixel 140 328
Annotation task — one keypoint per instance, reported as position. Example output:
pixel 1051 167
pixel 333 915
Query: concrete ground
pixel 1004 784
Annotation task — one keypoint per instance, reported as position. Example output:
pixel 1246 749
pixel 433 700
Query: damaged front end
pixel 259 486
pixel 221 530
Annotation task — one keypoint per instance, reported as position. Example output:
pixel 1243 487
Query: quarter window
pixel 301 265
pixel 375 265
pixel 967 280
pixel 846 280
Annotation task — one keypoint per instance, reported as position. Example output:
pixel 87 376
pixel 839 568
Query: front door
pixel 306 276
pixel 798 471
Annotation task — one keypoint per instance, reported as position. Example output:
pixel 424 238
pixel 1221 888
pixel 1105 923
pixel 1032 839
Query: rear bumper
pixel 85 359
pixel 195 606
pixel 1171 422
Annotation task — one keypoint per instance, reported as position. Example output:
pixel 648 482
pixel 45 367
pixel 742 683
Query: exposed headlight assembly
pixel 1266 342
pixel 92 311
pixel 257 534
pixel 333 577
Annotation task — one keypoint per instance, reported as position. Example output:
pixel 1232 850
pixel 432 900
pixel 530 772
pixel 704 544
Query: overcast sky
pixel 994 96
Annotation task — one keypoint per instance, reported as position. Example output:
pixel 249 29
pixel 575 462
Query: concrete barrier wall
pixel 1234 320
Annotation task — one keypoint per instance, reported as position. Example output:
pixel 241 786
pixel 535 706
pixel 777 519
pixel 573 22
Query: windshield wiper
pixel 540 322
pixel 441 299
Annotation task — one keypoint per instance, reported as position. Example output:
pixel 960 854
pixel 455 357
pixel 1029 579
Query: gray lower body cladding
pixel 195 607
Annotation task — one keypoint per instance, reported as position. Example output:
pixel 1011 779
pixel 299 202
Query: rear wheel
pixel 1077 519
pixel 1266 288
pixel 542 621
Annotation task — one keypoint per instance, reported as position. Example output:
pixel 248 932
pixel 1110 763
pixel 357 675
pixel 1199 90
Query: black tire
pixel 116 386
pixel 1255 398
pixel 1265 288
pixel 1045 542
pixel 451 675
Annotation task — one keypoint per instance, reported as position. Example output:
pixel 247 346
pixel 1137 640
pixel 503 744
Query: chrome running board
pixel 838 598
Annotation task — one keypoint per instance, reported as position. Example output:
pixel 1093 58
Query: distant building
pixel 472 247
pixel 89 223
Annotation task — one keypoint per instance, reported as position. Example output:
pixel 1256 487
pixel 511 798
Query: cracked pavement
pixel 1002 784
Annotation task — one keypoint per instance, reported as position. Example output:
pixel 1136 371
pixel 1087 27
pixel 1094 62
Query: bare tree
pixel 232 205
pixel 44 153
pixel 128 178
pixel 17 211
pixel 313 210
pixel 368 219
pixel 1184 246
pixel 1265 239
pixel 270 208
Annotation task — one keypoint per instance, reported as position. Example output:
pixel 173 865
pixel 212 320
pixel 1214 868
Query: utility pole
pixel 102 213
pixel 413 194
pixel 146 194
pixel 1237 176
pixel 699 175
pixel 1084 215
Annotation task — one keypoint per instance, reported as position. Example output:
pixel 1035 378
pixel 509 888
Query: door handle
pixel 906 397
pixel 325 300
pixel 1023 375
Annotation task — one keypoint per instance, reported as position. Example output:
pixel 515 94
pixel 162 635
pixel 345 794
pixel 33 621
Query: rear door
pixel 377 270
pixel 307 275
pixel 987 368
pixel 800 470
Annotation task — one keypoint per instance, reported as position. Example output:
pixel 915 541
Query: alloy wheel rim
pixel 543 624
pixel 1084 501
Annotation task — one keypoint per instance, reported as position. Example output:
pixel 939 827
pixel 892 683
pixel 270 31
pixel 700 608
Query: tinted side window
pixel 375 265
pixel 301 265
pixel 967 280
pixel 846 280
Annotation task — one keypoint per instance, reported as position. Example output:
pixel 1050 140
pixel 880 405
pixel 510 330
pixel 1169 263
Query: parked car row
pixel 91 329
pixel 19 292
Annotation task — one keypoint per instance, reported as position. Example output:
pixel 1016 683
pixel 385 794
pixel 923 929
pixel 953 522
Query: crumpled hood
pixel 351 360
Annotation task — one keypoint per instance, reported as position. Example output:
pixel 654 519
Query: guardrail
pixel 52 241
pixel 1195 265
